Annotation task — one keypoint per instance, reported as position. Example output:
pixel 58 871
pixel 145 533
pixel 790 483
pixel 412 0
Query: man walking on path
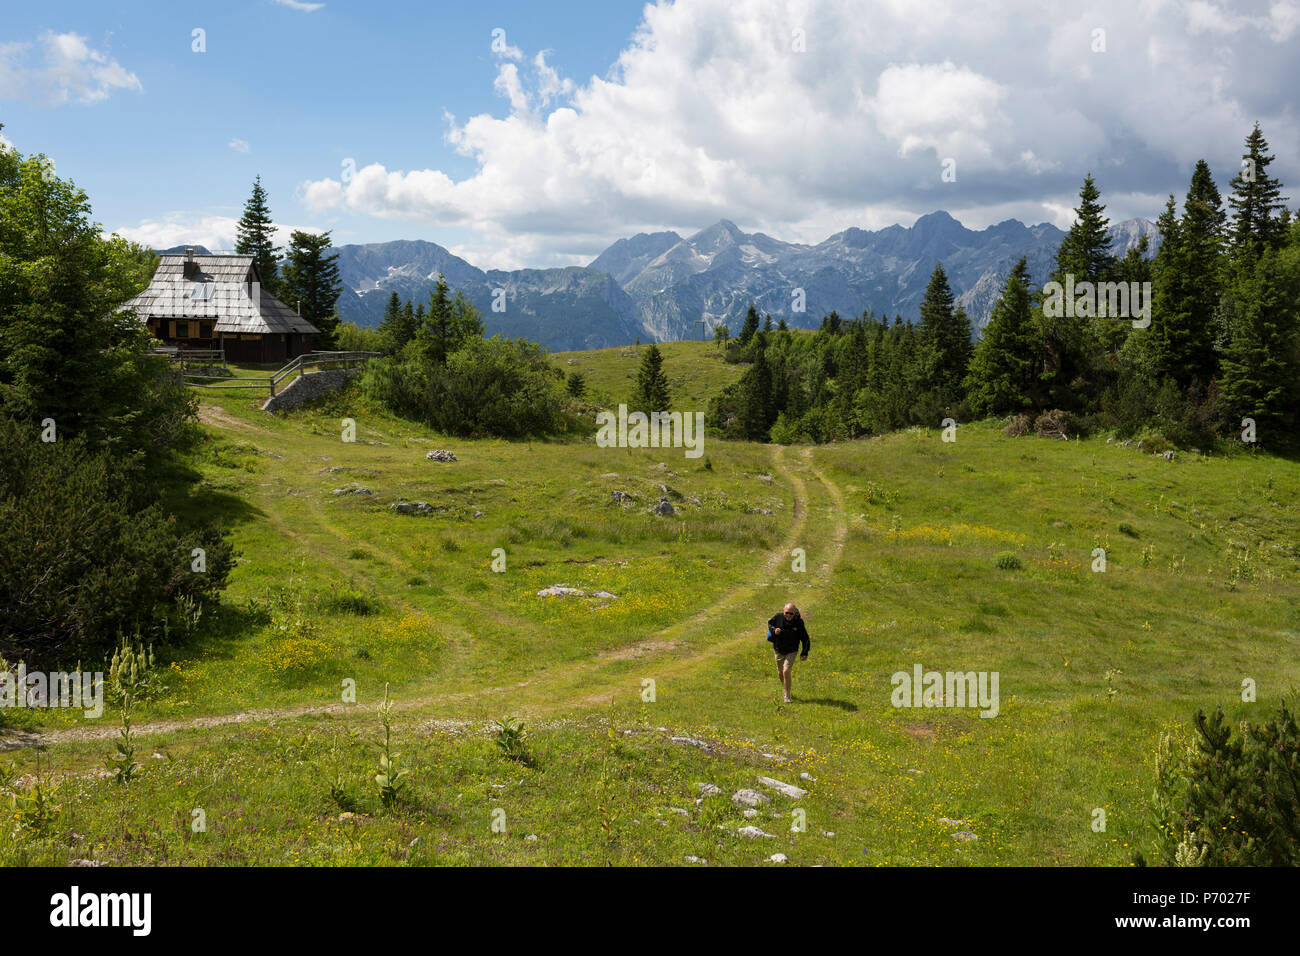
pixel 787 633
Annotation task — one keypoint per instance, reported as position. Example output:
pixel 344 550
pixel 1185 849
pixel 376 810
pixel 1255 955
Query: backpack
pixel 771 635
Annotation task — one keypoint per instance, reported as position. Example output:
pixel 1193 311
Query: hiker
pixel 787 633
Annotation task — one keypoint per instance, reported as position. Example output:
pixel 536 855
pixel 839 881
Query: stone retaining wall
pixel 308 386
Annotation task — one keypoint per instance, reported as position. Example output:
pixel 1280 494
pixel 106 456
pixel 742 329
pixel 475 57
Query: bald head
pixel 791 611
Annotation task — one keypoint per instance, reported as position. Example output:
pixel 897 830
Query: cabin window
pixel 205 330
pixel 182 330
pixel 202 291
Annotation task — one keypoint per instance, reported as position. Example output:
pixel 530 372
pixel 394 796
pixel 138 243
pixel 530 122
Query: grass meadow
pixel 972 555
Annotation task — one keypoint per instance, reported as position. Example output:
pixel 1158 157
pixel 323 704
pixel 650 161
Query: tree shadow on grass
pixel 225 628
pixel 185 494
pixel 829 702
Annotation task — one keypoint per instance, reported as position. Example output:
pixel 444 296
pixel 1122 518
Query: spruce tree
pixel 651 393
pixel 750 328
pixel 1166 339
pixel 904 375
pixel 410 327
pixel 1072 350
pixel 961 346
pixel 1261 366
pixel 757 412
pixel 1002 378
pixel 398 326
pixel 255 236
pixel 1085 250
pixel 449 322
pixel 854 366
pixel 311 283
pixel 796 398
pixel 1134 266
pixel 1204 217
pixel 390 326
pixel 1257 204
pixel 1187 284
pixel 435 331
pixel 780 385
pixel 945 331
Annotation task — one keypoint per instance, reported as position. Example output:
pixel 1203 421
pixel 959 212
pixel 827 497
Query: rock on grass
pixel 791 791
pixel 749 798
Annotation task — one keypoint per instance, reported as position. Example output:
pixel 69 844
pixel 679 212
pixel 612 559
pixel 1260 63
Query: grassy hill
pixel 902 537
pixel 696 372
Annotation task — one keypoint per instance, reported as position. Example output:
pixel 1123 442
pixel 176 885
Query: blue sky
pixel 303 89
pixel 589 121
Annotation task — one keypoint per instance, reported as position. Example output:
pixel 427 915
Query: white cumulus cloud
pixel 60 68
pixel 214 232
pixel 800 117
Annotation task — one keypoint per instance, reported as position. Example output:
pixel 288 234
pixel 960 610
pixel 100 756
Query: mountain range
pixel 660 286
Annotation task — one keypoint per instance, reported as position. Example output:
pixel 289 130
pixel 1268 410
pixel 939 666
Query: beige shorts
pixel 786 661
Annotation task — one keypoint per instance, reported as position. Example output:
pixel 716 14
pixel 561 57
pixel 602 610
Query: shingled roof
pixel 218 288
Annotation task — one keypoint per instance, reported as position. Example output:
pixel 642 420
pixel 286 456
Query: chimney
pixel 189 253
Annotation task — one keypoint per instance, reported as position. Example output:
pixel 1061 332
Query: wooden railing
pixel 299 366
pixel 187 357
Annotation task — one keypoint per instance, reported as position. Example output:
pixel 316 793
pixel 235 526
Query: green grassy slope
pixel 696 372
pixel 900 534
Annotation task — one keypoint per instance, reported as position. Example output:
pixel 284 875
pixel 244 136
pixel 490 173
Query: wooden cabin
pixel 217 302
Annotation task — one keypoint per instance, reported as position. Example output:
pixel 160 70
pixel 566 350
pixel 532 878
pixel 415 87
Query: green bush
pixel 1229 801
pixel 350 337
pixel 88 548
pixel 786 430
pixel 488 387
pixel 1155 443
pixel 511 741
pixel 85 555
pixel 1006 561
pixel 352 600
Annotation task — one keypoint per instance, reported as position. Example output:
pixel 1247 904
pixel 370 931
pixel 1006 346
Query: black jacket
pixel 793 634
